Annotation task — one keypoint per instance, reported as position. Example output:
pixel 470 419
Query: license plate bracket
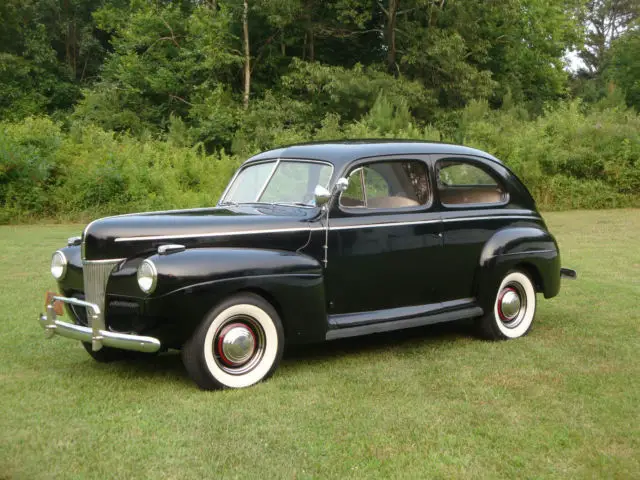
pixel 58 307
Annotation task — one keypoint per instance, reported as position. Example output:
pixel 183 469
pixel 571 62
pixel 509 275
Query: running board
pixel 402 323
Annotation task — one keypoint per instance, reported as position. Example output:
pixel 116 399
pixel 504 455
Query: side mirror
pixel 342 184
pixel 321 195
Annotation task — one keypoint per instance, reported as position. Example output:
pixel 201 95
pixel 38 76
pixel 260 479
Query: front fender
pixel 530 248
pixel 192 282
pixel 190 268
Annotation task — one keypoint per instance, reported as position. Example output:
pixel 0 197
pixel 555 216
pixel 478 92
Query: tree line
pixel 138 65
pixel 237 76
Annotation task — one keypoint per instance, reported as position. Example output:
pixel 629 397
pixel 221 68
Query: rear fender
pixel 531 249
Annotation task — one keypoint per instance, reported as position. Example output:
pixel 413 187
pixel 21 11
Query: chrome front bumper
pixel 95 335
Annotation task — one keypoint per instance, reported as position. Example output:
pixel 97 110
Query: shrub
pixel 569 157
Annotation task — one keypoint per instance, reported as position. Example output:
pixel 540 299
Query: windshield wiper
pixel 286 204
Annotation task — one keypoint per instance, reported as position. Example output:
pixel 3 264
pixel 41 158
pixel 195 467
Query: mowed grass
pixel 434 402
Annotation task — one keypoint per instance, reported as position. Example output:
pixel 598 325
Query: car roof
pixel 343 152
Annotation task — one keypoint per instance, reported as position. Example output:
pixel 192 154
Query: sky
pixel 574 62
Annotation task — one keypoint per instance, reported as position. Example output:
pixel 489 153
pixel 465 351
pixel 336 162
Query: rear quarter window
pixel 466 183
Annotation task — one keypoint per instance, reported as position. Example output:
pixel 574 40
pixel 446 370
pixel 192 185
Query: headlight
pixel 58 265
pixel 147 276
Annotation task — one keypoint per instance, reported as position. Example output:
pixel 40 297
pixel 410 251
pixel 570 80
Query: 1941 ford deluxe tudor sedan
pixel 309 243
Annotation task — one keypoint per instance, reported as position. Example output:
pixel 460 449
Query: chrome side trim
pixel 527 252
pixel 214 234
pixel 273 230
pixel 492 217
pixel 53 326
pixel 306 229
pixel 388 224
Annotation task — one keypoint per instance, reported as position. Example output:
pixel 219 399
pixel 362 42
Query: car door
pixel 384 238
pixel 475 203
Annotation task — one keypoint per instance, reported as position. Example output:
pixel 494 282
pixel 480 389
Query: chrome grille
pixel 95 276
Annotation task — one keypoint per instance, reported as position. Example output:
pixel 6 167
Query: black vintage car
pixel 309 243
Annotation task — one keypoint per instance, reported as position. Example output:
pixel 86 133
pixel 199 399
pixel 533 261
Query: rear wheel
pixel 238 344
pixel 513 310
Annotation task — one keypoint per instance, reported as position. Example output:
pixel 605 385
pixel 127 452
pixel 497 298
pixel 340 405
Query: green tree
pixel 624 67
pixel 606 20
pixel 166 58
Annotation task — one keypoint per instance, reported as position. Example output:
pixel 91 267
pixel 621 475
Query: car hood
pixel 260 226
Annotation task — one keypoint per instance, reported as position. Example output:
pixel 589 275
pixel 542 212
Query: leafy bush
pixel 27 168
pixel 90 172
pixel 569 157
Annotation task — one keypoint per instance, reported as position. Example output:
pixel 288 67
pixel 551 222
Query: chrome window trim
pixel 365 210
pixel 312 228
pixel 235 175
pixel 266 182
pixel 363 186
pixel 473 161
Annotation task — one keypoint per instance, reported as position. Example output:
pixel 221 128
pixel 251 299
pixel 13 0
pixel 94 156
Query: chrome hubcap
pixel 509 304
pixel 236 344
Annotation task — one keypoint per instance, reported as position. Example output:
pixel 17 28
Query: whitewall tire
pixel 514 308
pixel 239 343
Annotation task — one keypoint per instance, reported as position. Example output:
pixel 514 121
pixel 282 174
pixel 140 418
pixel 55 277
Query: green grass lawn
pixel 434 402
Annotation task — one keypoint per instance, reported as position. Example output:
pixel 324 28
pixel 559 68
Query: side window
pixel 393 184
pixel 462 183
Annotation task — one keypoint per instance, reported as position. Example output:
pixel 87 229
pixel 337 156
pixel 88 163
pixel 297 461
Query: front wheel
pixel 513 310
pixel 238 344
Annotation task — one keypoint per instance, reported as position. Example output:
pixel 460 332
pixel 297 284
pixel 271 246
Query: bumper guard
pixel 95 335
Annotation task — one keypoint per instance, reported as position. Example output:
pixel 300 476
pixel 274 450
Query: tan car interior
pixel 474 194
pixel 399 185
pixel 394 201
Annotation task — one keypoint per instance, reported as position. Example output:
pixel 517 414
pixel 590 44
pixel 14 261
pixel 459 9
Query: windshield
pixel 280 181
